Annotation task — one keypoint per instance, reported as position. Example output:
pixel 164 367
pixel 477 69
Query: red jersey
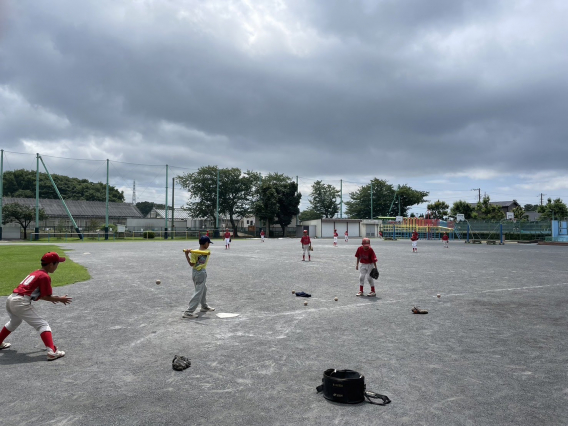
pixel 306 240
pixel 262 233
pixel 346 233
pixel 445 237
pixel 414 237
pixel 335 234
pixel 227 235
pixel 366 256
pixel 36 285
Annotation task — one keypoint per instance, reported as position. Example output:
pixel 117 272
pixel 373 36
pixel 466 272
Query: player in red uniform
pixel 445 239
pixel 35 286
pixel 306 244
pixel 227 236
pixel 346 236
pixel 335 235
pixel 262 235
pixel 368 259
pixel 414 238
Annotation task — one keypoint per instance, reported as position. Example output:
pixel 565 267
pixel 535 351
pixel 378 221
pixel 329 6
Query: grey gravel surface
pixel 491 351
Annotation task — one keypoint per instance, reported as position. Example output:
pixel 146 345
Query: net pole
pixel 1 187
pixel 166 205
pixel 106 214
pixel 37 199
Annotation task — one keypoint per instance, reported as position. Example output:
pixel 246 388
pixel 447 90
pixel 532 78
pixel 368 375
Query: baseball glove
pixel 374 273
pixel 417 310
pixel 180 363
pixel 311 248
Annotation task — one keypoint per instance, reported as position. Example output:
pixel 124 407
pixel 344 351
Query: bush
pixel 149 234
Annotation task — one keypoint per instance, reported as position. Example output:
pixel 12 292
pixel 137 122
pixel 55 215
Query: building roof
pixel 78 208
pixel 161 213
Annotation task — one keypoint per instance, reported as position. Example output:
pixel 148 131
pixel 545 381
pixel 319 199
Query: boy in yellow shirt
pixel 197 259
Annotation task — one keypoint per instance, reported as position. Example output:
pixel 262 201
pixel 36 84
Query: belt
pixel 23 296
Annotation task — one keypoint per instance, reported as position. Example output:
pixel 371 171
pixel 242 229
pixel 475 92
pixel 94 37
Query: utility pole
pixel 541 195
pixel 478 193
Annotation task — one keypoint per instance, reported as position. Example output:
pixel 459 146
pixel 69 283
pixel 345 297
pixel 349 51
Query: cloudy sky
pixel 444 95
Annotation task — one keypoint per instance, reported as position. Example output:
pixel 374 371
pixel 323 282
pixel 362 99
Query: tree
pixel 236 193
pixel 438 210
pixel 519 213
pixel 309 215
pixel 531 207
pixel 462 207
pixel 485 210
pixel 146 207
pixel 324 199
pixel 22 184
pixel 266 207
pixel 384 194
pixel 15 212
pixel 553 209
pixel 288 198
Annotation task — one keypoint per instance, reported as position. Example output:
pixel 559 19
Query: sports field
pixel 492 350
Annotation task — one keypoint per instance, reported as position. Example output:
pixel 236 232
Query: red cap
pixel 366 242
pixel 52 257
pixel 305 230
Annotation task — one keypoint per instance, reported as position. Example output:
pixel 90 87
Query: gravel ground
pixel 491 351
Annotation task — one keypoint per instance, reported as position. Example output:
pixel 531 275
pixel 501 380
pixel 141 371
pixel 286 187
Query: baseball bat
pixel 202 252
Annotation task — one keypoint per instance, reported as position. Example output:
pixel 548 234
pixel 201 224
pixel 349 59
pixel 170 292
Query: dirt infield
pixel 492 349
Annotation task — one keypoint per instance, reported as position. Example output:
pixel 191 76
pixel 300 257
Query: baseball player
pixel 261 236
pixel 306 244
pixel 227 239
pixel 445 239
pixel 346 236
pixel 368 259
pixel 198 263
pixel 35 286
pixel 335 235
pixel 414 238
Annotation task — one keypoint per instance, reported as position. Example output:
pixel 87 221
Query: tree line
pixel 484 210
pixel 22 184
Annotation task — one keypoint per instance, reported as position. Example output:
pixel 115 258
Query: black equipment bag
pixel 347 387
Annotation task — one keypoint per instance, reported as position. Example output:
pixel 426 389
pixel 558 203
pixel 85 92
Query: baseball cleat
pixel 207 309
pixel 5 345
pixel 52 355
pixel 190 315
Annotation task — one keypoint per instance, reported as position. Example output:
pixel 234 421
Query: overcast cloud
pixel 445 95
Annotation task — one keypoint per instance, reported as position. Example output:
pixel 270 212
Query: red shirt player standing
pixel 368 259
pixel 445 239
pixel 414 238
pixel 227 236
pixel 306 246
pixel 335 235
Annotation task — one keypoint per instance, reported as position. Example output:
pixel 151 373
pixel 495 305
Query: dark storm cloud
pixel 289 86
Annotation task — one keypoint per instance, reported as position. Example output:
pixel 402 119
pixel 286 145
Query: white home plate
pixel 87 253
pixel 222 315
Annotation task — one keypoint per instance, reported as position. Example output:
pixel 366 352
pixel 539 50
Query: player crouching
pixel 35 286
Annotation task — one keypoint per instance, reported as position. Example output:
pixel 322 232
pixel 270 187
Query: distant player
pixel 227 239
pixel 261 236
pixel 335 235
pixel 414 238
pixel 35 286
pixel 306 244
pixel 346 236
pixel 445 239
pixel 368 259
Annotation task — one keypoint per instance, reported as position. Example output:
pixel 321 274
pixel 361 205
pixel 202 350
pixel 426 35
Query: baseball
pixel 438 296
pixel 305 303
pixel 336 299
pixel 158 282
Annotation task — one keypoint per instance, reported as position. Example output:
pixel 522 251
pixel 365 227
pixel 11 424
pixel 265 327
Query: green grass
pixel 16 262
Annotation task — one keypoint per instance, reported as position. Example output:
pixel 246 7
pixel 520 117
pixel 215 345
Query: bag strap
pixel 375 395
